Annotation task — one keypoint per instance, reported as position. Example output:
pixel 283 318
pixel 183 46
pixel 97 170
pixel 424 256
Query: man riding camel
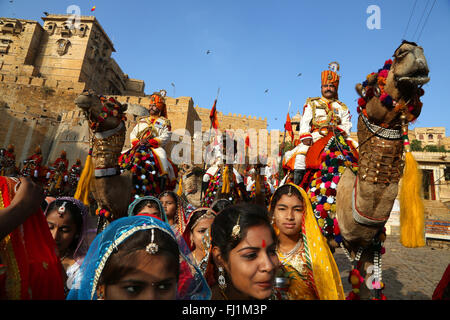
pixel 321 116
pixel 154 132
pixel 37 158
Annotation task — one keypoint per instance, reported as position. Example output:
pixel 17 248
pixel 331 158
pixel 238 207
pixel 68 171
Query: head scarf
pixel 133 205
pixel 180 216
pixel 86 234
pixel 191 225
pixel 32 269
pixel 191 284
pixel 322 269
pixel 330 76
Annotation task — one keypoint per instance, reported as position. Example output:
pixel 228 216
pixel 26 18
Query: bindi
pixel 263 245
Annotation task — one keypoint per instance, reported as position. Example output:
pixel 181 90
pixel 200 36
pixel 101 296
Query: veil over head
pixel 133 205
pixel 323 273
pixel 86 234
pixel 191 283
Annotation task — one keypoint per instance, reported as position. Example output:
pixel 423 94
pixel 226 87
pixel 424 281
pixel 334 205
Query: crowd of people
pixel 164 247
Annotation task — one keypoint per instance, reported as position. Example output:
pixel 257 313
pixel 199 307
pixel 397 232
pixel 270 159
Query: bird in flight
pixel 208 52
pixel 267 90
pixel 299 74
pixel 46 13
pixel 173 85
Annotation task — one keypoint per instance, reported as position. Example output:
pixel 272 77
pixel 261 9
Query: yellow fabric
pixel 83 186
pixel 180 187
pixel 323 275
pixel 258 184
pixel 412 218
pixel 300 286
pixel 226 180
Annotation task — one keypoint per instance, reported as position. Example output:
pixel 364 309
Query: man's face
pixel 328 91
pixel 153 110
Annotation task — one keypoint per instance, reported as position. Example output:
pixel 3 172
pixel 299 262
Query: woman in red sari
pixel 29 267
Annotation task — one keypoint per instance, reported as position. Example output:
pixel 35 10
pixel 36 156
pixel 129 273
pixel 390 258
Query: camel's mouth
pixel 420 77
pixel 83 102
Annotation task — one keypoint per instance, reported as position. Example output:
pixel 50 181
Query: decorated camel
pixel 112 178
pixel 352 193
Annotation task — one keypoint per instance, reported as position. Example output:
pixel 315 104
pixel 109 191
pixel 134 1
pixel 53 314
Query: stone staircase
pixel 437 210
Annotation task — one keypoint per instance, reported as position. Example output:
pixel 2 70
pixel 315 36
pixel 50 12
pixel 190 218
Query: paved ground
pixel 409 273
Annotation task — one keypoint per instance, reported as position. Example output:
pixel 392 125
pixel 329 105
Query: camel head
pixel 102 113
pixel 192 183
pixel 396 88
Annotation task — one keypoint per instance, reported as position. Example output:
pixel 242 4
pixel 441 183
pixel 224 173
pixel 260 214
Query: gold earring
pixel 101 292
pixel 221 279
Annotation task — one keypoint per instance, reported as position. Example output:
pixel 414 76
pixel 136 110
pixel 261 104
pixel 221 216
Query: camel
pixel 111 189
pixel 114 185
pixel 364 201
pixel 191 184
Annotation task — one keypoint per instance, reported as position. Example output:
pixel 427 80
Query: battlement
pixel 233 115
pixel 77 87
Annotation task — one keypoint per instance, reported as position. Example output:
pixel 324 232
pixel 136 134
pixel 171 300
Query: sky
pixel 258 48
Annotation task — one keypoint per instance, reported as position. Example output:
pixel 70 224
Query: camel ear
pixel 358 89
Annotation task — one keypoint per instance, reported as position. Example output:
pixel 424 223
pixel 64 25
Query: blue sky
pixel 259 45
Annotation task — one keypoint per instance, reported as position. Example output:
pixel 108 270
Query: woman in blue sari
pixel 139 257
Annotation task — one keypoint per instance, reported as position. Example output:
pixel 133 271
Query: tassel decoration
pixel 412 217
pixel 84 184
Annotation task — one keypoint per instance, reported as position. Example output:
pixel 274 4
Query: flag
pixel 247 141
pixel 288 127
pixel 213 116
pixel 93 8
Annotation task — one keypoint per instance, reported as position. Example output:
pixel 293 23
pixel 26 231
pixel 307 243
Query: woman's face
pixel 150 210
pixel 63 230
pixel 170 206
pixel 288 213
pixel 252 263
pixel 199 231
pixel 152 278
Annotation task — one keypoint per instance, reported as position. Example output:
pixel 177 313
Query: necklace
pixel 289 254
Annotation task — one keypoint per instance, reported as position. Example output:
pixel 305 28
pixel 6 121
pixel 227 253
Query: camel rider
pixel 10 153
pixel 37 158
pixel 321 115
pixel 10 157
pixel 61 160
pixel 154 131
pixel 220 161
pixel 76 168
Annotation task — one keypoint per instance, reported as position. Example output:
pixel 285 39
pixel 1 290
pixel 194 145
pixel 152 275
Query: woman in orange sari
pixel 29 267
pixel 302 249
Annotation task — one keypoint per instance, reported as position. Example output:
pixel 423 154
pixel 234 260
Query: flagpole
pixel 209 138
pixel 280 169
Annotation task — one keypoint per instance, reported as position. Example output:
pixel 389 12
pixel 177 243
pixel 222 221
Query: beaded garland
pixel 377 89
pixel 322 189
pixel 355 278
pixel 143 166
pixel 215 184
pixel 117 110
pixel 267 192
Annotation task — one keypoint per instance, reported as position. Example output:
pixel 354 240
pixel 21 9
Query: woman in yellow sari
pixel 302 249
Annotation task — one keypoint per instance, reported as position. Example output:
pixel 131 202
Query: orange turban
pixel 330 76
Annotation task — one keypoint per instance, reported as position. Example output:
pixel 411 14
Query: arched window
pixel 430 136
